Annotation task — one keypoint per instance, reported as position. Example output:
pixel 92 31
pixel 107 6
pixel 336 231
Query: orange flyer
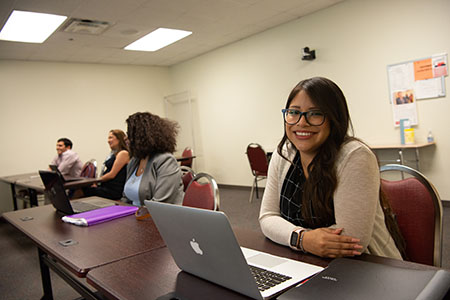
pixel 423 69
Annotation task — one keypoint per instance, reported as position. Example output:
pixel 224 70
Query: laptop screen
pixel 54 188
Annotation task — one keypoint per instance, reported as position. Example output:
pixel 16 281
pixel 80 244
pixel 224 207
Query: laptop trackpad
pixel 267 261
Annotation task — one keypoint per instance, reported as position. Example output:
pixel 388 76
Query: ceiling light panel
pixel 158 39
pixel 30 27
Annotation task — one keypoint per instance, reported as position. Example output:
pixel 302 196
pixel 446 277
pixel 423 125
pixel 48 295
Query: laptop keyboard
pixel 266 279
pixel 83 206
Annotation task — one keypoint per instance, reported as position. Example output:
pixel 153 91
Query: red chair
pixel 418 210
pixel 89 169
pixel 188 152
pixel 257 158
pixel 202 192
pixel 187 174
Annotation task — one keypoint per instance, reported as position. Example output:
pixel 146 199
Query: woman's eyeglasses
pixel 313 117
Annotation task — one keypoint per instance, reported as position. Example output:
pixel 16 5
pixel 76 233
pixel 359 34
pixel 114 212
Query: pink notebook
pixel 100 215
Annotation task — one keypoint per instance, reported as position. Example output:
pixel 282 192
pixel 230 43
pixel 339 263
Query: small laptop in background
pixel 202 243
pixel 54 188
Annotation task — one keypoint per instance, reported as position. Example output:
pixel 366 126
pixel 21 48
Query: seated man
pixel 67 161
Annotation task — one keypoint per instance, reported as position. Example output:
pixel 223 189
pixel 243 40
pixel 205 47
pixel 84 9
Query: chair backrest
pixel 89 169
pixel 202 192
pixel 187 174
pixel 258 159
pixel 418 210
pixel 187 152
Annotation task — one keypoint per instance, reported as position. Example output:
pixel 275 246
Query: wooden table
pixel 33 183
pixel 80 183
pixel 72 250
pixel 12 179
pixel 154 274
pixel 127 259
pixel 400 148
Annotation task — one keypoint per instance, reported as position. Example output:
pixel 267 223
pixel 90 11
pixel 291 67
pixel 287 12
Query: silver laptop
pixel 202 243
pixel 55 191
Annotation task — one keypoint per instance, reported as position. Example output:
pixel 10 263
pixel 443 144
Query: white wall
pixel 41 102
pixel 241 88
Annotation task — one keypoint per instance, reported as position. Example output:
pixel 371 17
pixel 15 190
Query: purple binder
pixel 100 215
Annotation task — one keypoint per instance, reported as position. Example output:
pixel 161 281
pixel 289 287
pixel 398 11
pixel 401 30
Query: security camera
pixel 308 54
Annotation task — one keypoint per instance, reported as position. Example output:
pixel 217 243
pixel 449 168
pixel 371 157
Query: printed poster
pixel 414 80
pixel 440 66
pixel 404 107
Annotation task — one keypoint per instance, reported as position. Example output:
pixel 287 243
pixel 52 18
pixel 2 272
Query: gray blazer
pixel 161 179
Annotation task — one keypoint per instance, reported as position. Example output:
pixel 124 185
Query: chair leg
pixel 251 193
pixel 256 183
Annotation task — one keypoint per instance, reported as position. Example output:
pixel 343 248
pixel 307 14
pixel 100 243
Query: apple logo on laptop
pixel 196 247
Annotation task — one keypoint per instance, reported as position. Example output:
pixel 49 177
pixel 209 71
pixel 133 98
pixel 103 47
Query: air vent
pixel 85 26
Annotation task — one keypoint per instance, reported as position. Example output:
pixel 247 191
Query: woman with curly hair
pixel 323 189
pixel 153 172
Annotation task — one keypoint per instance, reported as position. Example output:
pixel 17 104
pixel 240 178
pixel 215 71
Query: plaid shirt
pixel 291 197
pixel 292 192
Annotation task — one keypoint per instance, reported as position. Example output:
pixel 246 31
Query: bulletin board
pixel 415 80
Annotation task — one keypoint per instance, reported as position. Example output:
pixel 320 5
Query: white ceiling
pixel 214 23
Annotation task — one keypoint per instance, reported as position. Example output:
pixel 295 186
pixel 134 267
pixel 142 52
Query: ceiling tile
pixel 213 23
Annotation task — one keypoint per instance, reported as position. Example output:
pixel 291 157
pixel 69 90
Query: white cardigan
pixel 356 201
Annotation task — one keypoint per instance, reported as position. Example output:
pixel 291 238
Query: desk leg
pixel 45 276
pixel 33 197
pixel 400 154
pixel 14 197
pixel 417 159
pixel 81 288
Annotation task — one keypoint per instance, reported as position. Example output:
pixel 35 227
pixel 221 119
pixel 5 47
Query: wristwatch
pixel 296 242
pixel 295 239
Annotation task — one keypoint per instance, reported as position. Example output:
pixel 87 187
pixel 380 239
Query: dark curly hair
pixel 149 134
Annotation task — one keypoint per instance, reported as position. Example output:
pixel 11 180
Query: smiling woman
pixel 114 168
pixel 322 193
pixel 310 132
